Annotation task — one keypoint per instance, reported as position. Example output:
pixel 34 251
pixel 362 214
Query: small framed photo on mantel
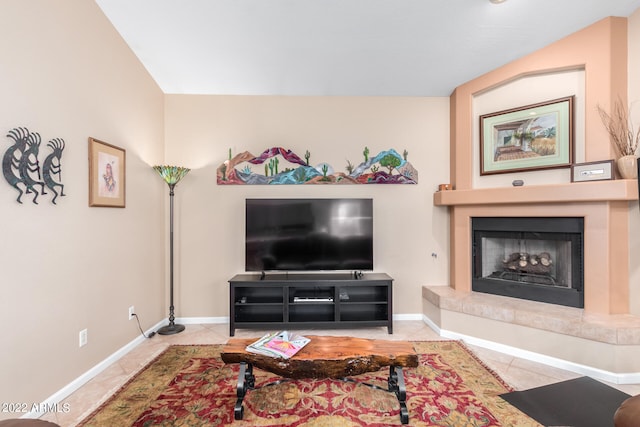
pixel 592 171
pixel 107 174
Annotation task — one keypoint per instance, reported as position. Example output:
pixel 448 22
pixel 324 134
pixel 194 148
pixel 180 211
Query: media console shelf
pixel 296 301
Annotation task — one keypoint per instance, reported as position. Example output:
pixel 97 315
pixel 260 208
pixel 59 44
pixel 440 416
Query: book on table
pixel 282 344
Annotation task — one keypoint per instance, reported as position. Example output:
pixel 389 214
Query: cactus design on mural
pixel 296 170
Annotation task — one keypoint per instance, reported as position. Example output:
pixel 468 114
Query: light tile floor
pixel 519 373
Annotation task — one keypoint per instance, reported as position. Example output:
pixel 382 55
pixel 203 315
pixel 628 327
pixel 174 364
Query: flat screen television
pixel 309 234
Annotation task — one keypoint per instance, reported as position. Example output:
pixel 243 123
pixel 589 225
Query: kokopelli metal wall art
pixel 21 167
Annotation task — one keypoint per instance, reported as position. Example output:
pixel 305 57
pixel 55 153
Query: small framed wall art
pixel 533 137
pixel 107 174
pixel 592 171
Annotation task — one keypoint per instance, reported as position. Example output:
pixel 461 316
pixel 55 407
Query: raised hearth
pixel 598 345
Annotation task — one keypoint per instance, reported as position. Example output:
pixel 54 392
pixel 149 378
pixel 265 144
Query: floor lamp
pixel 172 175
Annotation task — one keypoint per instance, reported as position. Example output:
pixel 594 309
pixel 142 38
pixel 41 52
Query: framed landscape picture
pixel 107 170
pixel 537 136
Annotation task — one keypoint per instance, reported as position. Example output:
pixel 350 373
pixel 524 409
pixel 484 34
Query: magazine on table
pixel 282 344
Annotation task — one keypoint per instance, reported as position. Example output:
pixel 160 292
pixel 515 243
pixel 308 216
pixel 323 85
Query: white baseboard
pixel 74 385
pixel 416 316
pixel 432 325
pixel 612 377
pixel 201 320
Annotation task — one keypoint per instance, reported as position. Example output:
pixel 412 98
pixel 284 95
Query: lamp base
pixel 171 329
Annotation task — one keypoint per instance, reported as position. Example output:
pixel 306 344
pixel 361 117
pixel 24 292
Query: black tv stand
pixel 310 300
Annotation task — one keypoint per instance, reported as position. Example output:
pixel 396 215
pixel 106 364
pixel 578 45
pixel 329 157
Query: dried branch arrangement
pixel 623 134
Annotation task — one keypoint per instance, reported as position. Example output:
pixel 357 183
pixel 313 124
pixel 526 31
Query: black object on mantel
pixel 517 183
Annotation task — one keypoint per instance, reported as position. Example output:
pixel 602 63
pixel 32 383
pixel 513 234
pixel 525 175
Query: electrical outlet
pixel 82 338
pixel 132 310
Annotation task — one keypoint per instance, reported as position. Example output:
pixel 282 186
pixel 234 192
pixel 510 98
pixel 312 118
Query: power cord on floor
pixel 151 334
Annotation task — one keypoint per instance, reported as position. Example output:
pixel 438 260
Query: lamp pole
pixel 172 327
pixel 172 175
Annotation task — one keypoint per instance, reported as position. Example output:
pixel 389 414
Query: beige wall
pixel 407 227
pixel 66 73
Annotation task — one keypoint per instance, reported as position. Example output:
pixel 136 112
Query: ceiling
pixel 340 47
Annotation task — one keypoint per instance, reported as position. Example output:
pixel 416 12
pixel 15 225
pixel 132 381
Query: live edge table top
pixel 327 357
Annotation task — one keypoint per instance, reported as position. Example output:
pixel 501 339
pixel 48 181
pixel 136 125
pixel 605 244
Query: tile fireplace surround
pixel 602 339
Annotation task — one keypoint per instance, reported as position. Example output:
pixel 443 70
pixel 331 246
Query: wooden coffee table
pixel 326 357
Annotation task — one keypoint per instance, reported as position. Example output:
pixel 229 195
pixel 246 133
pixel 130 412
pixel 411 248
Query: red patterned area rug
pixel 191 386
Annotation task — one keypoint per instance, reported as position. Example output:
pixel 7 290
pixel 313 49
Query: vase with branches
pixel 624 137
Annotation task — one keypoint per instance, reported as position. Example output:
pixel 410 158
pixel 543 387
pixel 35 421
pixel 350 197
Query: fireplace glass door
pixel 539 259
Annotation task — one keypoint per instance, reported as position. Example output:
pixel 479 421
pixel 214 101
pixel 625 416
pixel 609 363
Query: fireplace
pixel 538 259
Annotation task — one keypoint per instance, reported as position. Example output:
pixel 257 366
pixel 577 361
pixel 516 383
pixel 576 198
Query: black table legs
pixel 396 385
pixel 246 381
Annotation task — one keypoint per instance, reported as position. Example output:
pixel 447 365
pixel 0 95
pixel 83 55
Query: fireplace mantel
pixel 577 192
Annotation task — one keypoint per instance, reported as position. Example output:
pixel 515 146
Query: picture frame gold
pixel 532 137
pixel 107 175
pixel 592 171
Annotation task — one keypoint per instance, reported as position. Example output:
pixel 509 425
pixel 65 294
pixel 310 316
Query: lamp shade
pixel 171 174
